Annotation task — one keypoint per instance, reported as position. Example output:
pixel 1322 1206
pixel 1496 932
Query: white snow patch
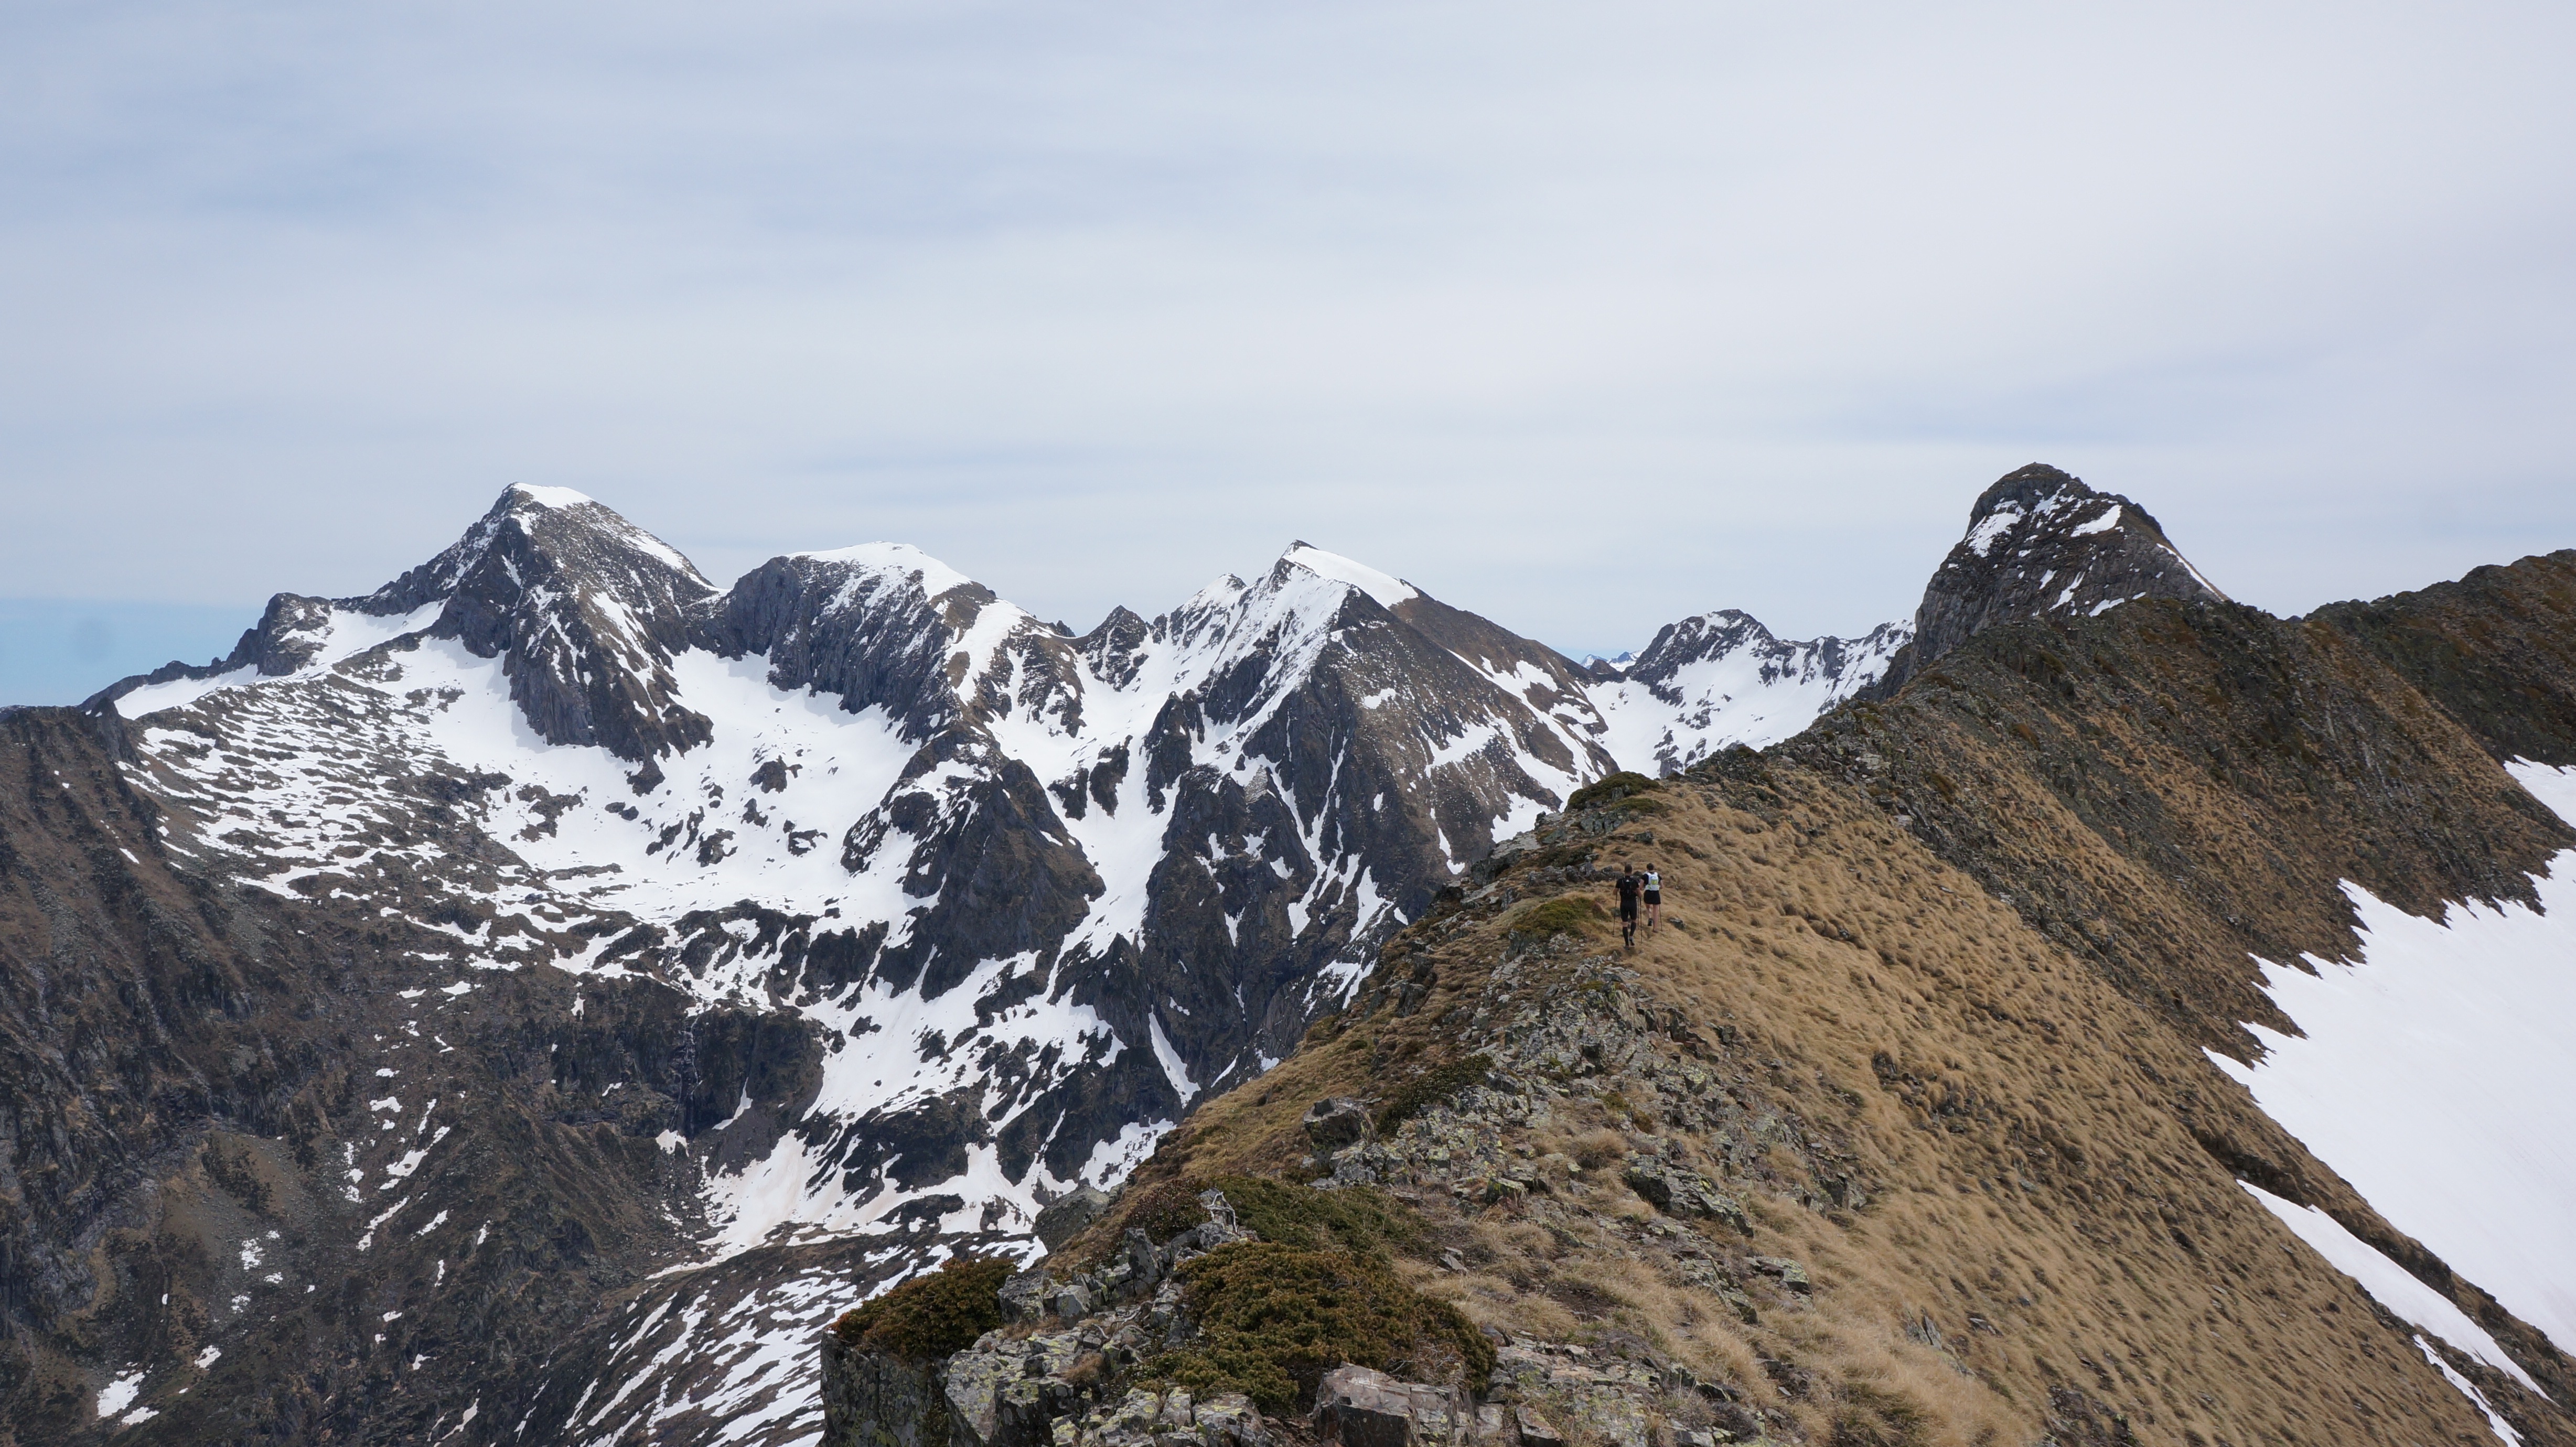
pixel 2433 1076
pixel 1982 538
pixel 2389 1283
pixel 2495 1421
pixel 556 497
pixel 180 692
pixel 1387 589
pixel 119 1394
pixel 1175 1069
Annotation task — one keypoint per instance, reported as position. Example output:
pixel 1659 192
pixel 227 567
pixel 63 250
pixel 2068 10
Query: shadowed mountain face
pixel 2493 649
pixel 524 1002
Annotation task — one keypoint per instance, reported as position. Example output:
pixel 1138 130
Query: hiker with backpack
pixel 1631 885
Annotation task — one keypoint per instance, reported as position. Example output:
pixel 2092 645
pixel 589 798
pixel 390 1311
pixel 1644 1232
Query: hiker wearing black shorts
pixel 1653 882
pixel 1631 885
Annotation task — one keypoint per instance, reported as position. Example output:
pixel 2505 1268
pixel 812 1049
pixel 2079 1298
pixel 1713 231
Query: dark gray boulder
pixel 1068 1214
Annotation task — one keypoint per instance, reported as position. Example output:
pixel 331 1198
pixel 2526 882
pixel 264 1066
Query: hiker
pixel 1631 884
pixel 1654 892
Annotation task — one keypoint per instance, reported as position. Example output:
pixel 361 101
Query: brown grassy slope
pixel 2036 1228
pixel 2496 649
pixel 2172 787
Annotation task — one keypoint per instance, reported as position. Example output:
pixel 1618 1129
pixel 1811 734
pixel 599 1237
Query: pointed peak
pixel 2027 487
pixel 1386 588
pixel 531 531
pixel 552 520
pixel 2042 544
pixel 520 495
pixel 2039 501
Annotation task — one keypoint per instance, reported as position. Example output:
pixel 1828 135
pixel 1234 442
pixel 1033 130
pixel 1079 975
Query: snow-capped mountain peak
pixel 2040 544
pixel 1722 678
pixel 1388 590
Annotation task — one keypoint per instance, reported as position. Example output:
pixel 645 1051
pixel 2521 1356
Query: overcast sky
pixel 1582 317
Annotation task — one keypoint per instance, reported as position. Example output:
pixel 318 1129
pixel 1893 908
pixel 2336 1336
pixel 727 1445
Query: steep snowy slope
pixel 1721 678
pixel 2430 1070
pixel 1035 894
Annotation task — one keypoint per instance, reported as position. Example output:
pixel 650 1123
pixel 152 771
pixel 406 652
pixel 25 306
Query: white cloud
pixel 1583 319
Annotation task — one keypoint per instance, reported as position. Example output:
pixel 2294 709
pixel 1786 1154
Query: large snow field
pixel 2434 1076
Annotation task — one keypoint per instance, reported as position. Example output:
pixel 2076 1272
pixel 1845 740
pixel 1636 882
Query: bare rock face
pixel 1360 1407
pixel 873 1399
pixel 1069 1214
pixel 1335 1122
pixel 2042 544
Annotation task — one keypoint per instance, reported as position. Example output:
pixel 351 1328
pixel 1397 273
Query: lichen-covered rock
pixel 1358 1407
pixel 1230 1420
pixel 1791 1274
pixel 1565 1391
pixel 1027 1296
pixel 1335 1122
pixel 1678 1192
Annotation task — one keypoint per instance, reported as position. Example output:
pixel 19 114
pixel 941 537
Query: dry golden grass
pixel 2026 1135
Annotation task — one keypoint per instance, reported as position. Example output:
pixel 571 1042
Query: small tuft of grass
pixel 1595 1149
pixel 930 1316
pixel 1872 1416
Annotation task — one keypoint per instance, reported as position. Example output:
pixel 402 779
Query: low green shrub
pixel 1432 1087
pixel 930 1316
pixel 1607 790
pixel 1358 1218
pixel 1165 1209
pixel 1273 1318
pixel 1566 914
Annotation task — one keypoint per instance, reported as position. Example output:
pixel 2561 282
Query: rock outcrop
pixel 2041 544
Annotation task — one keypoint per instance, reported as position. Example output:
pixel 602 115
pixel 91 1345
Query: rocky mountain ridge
pixel 719 956
pixel 1904 1126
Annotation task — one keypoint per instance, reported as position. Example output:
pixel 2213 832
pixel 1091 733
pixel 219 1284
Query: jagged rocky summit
pixel 2040 543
